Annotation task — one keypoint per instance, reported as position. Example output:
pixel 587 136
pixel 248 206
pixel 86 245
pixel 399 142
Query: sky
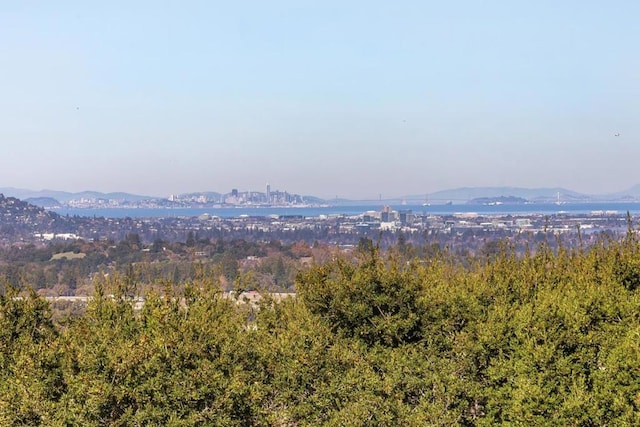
pixel 355 99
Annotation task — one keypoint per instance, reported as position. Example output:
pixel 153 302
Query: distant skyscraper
pixel 385 215
pixel 234 192
pixel 268 193
pixel 406 217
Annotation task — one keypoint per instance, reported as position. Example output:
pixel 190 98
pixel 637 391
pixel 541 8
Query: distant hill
pixel 44 202
pixel 632 193
pixel 536 195
pixel 19 219
pixel 65 196
pixel 314 200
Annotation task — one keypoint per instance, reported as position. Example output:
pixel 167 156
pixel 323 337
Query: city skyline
pixel 349 100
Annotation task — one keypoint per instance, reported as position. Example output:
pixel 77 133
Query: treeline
pixel 548 338
pixel 70 268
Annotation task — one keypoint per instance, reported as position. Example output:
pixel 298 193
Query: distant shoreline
pixel 587 208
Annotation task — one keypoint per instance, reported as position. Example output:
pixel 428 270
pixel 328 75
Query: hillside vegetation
pixel 549 338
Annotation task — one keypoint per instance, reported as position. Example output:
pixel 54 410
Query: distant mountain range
pixel 65 196
pixel 52 198
pixel 532 195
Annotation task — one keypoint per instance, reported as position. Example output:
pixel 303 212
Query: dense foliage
pixel 549 338
pixel 69 268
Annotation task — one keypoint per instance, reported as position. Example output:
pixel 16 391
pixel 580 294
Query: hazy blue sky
pixel 346 98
